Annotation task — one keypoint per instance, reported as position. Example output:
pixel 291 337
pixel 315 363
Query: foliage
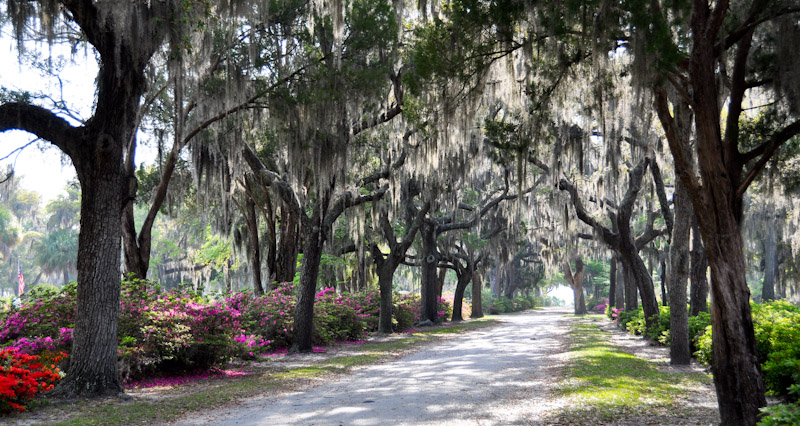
pixel 635 323
pixel 777 331
pixel 781 414
pixel 503 305
pixel 23 376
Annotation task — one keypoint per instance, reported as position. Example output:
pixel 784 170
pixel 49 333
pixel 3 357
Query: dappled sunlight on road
pixel 460 380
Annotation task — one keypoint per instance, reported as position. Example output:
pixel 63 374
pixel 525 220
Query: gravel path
pixel 495 376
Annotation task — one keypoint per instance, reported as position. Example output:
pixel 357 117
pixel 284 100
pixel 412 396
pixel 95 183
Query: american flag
pixel 21 280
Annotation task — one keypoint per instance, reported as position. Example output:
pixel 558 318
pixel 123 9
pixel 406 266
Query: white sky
pixel 39 166
pixel 42 167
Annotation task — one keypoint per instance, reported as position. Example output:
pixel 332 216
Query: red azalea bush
pixel 22 376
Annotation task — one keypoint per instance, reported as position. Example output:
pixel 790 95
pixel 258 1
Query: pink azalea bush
pixel 601 306
pixel 163 333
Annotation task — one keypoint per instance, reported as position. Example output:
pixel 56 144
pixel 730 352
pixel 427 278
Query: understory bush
pixel 503 305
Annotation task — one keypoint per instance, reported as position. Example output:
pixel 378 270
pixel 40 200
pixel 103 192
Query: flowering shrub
pixel 40 324
pixel 344 317
pixel 22 376
pixel 600 308
pixel 269 316
pixel 448 299
pixel 172 331
pixel 405 312
pixel 175 332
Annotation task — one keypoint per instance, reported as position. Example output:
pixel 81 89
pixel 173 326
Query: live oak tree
pixel 125 36
pixel 720 47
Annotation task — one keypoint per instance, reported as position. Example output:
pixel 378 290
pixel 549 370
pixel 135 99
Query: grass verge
pixel 604 384
pixel 177 401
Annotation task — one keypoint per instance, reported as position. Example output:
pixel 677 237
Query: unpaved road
pixel 495 376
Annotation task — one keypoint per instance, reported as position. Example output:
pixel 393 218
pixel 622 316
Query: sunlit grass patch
pixel 603 383
pixel 167 408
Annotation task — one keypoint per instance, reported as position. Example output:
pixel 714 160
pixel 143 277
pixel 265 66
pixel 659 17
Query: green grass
pixel 218 392
pixel 603 384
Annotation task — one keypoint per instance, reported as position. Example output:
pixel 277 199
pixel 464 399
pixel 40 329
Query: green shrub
pixel 697 327
pixel 632 321
pixel 781 415
pixel 777 332
pixel 703 344
pixel 521 303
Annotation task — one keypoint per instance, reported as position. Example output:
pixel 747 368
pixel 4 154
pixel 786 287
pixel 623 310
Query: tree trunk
pixel 644 283
pixel 93 361
pixel 304 306
pixel 737 373
pixel 286 258
pixel 576 283
pixel 464 278
pixel 477 302
pixel 665 301
pixel 255 248
pixel 699 284
pixel 621 286
pixel 631 292
pixel 430 258
pixel 66 276
pixel 385 275
pixel 612 282
pixel 271 243
pixel 440 282
pixel 679 351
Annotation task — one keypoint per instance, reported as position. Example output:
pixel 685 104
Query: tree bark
pixel 665 300
pixel 288 247
pixel 93 360
pixel 477 301
pixel 631 292
pixel 576 283
pixel 304 305
pixel 440 282
pixel 464 278
pixel 385 276
pixel 699 284
pixel 430 258
pixel 255 248
pixel 679 351
pixel 612 282
pixel 621 286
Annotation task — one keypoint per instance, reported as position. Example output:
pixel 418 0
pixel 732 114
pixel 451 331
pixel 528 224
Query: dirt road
pixel 492 376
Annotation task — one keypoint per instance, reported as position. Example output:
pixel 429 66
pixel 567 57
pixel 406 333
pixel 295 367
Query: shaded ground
pixel 497 376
